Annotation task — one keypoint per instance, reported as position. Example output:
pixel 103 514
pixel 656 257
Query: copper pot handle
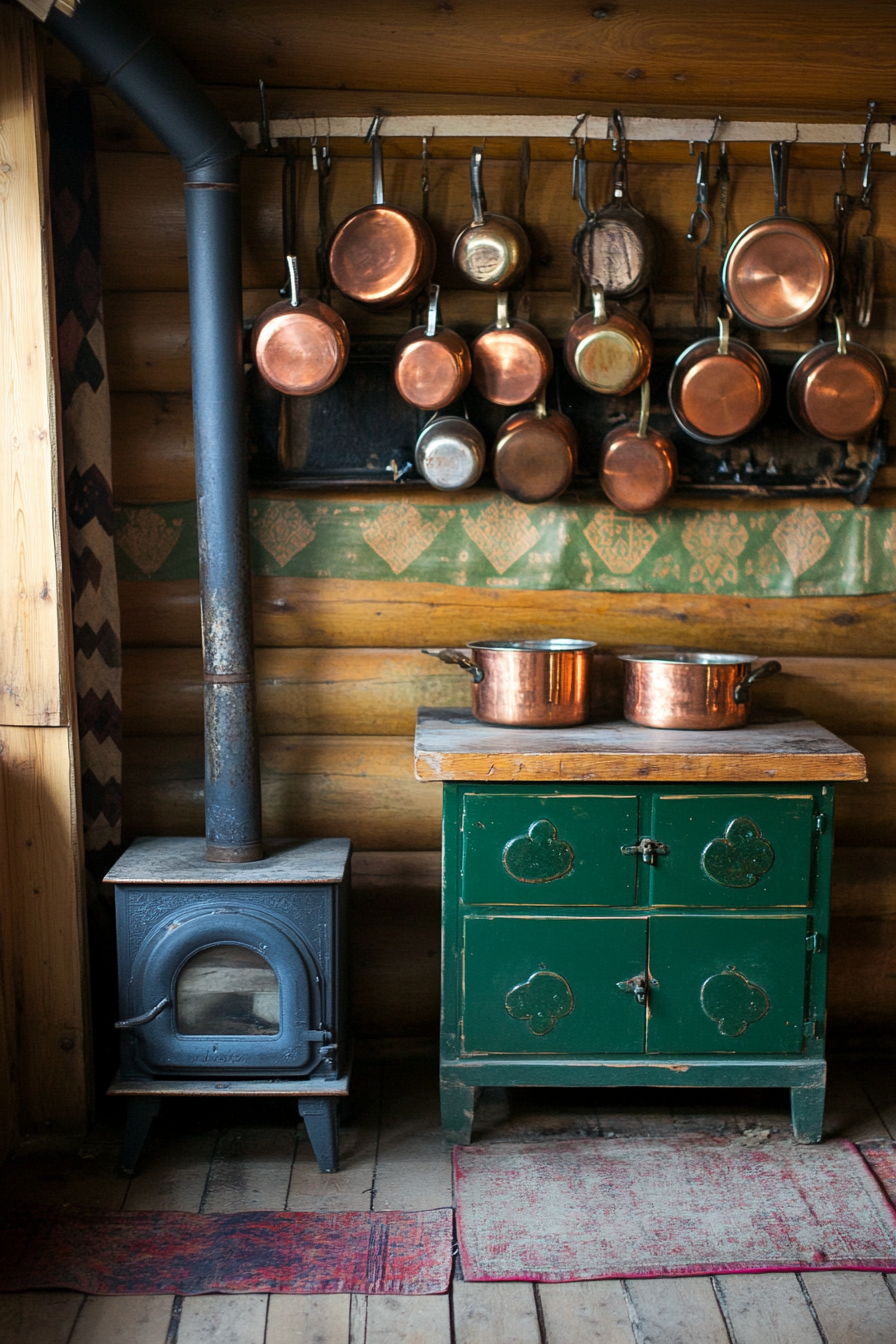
pixel 476 193
pixel 432 312
pixel 724 334
pixel 780 156
pixel 376 145
pixel 502 321
pixel 599 305
pixel 742 689
pixel 459 659
pixel 645 409
pixel 292 266
pixel 840 322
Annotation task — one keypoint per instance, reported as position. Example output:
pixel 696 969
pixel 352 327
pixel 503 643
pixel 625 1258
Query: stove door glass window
pixel 228 991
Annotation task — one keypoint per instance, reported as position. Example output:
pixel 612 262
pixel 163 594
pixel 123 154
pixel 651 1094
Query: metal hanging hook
pixel 574 133
pixel 869 122
pixel 701 220
pixel 374 128
pixel 717 121
pixel 618 136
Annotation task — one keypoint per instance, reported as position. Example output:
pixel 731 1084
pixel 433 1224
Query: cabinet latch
pixel 637 985
pixel 821 823
pixel 814 942
pixel 647 848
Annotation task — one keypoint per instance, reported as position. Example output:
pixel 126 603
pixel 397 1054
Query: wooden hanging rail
pixel 466 127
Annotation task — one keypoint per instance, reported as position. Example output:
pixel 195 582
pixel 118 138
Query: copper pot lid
pixel 719 388
pixel 837 390
pixel 300 348
pixel 493 251
pixel 512 361
pixel 778 272
pixel 608 351
pixel 432 365
pixel 535 455
pixel 638 465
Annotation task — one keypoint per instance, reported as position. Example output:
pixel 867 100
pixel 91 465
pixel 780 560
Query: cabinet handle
pixel 647 848
pixel 637 985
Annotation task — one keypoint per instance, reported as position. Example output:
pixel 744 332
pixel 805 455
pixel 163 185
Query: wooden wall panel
pixel 765 55
pixel 377 691
pixel 339 613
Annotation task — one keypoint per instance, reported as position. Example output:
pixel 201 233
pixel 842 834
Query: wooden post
pixel 41 910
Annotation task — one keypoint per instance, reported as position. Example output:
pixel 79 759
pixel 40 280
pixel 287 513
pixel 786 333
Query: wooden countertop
pixel 451 745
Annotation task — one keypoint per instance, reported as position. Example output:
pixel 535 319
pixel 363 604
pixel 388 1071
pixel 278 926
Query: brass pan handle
pixel 476 193
pixel 742 689
pixel 459 659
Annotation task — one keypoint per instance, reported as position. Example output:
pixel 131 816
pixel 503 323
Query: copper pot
pixel 638 465
pixel 608 350
pixel 381 256
pixel 492 252
pixel 535 454
pixel 432 364
pixel 527 683
pixel 838 389
pixel 450 453
pixel 512 360
pixel 691 690
pixel 719 388
pixel 300 348
pixel 779 272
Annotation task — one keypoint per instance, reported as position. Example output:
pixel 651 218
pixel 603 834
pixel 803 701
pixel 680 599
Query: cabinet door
pixel 548 849
pixel 732 849
pixel 727 984
pixel 548 985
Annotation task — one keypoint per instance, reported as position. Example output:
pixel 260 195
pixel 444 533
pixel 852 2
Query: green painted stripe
pixel 496 543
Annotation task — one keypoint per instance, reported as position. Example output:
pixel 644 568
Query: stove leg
pixel 807 1113
pixel 322 1122
pixel 141 1113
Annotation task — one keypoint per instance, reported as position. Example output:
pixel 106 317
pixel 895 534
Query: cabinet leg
pixel 807 1113
pixel 141 1113
pixel 322 1123
pixel 458 1103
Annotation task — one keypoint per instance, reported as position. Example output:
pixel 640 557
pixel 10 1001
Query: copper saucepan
pixel 450 453
pixel 432 364
pixel 527 683
pixel 838 389
pixel 493 251
pixel 535 454
pixel 381 256
pixel 512 360
pixel 691 690
pixel 638 465
pixel 300 348
pixel 608 350
pixel 779 272
pixel 719 388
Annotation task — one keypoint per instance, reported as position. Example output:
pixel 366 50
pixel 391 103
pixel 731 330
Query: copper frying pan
pixel 512 360
pixel 615 246
pixel 638 465
pixel 838 389
pixel 719 388
pixel 493 251
pixel 778 272
pixel 432 364
pixel 535 454
pixel 608 350
pixel 381 256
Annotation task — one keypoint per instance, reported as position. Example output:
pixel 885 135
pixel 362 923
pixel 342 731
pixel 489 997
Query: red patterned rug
pixel 94 1251
pixel 642 1208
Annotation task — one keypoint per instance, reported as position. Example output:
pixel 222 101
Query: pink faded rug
pixel 642 1208
pixel 96 1251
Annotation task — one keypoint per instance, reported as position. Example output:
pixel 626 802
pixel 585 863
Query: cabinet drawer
pixel 548 849
pixel 541 984
pixel 732 849
pixel 727 984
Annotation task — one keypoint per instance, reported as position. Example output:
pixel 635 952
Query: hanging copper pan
pixel 300 348
pixel 512 360
pixel 838 389
pixel 778 272
pixel 381 256
pixel 535 454
pixel 432 364
pixel 493 251
pixel 450 453
pixel 719 388
pixel 608 350
pixel 638 465
pixel 615 246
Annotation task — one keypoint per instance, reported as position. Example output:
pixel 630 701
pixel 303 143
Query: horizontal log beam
pixel 342 613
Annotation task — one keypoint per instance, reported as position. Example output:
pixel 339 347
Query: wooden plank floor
pixel 225 1156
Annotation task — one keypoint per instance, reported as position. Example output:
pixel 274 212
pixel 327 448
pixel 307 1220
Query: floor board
pixel 408 1320
pixel 852 1308
pixel 495 1313
pixel 676 1311
pixel 218 1319
pixel 314 1318
pixel 123 1320
pixel 766 1309
pixel 585 1313
pixel 38 1318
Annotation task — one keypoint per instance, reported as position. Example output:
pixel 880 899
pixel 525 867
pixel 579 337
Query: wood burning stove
pixel 232 977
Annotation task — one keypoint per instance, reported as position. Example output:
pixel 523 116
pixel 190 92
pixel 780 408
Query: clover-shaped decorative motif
pixel 540 1001
pixel 732 1001
pixel 538 856
pixel 740 857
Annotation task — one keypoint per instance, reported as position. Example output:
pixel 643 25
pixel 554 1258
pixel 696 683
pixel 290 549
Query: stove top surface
pixel 176 859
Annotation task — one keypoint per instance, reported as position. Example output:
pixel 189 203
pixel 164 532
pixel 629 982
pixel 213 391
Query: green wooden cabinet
pixel 611 934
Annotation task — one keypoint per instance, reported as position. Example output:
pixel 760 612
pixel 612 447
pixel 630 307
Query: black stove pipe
pixel 115 42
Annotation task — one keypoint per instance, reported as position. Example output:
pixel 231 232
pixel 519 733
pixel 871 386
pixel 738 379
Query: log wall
pixel 340 675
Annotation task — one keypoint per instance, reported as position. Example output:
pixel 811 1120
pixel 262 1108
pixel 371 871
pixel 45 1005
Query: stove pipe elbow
pixel 116 43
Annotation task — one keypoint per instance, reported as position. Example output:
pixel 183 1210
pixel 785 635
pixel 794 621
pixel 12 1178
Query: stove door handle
pixel 143 1018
